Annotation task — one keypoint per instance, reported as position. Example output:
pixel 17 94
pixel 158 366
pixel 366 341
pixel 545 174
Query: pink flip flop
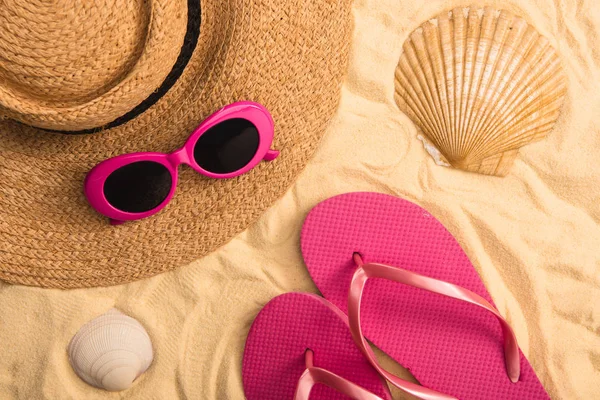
pixel 298 340
pixel 410 308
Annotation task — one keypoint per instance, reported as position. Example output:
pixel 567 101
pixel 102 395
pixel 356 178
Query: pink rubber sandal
pixel 456 349
pixel 298 340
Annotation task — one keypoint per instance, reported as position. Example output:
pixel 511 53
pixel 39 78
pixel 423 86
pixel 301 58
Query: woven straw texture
pixel 289 56
pixel 74 65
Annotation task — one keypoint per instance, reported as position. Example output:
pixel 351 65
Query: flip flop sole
pixel 281 333
pixel 448 345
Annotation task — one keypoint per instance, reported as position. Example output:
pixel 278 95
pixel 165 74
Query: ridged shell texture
pixel 111 351
pixel 479 84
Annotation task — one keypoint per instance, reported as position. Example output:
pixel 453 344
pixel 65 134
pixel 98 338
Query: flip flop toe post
pixel 300 347
pixel 408 287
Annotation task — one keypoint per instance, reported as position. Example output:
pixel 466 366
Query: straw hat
pixel 81 81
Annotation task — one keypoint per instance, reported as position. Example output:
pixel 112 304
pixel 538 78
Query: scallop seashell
pixel 110 351
pixel 479 84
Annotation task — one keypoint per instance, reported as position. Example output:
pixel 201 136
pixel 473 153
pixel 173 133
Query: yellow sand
pixel 533 236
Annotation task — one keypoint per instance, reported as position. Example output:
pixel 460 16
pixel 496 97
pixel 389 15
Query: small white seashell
pixel 110 351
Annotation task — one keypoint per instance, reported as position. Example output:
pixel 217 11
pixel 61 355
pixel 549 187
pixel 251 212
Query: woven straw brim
pixel 290 56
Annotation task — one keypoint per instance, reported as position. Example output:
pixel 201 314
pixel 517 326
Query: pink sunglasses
pixel 229 143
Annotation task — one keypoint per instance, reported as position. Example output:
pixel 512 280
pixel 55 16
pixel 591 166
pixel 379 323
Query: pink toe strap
pixel 375 270
pixel 313 375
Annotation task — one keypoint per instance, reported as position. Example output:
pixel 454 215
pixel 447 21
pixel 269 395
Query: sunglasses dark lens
pixel 227 147
pixel 138 187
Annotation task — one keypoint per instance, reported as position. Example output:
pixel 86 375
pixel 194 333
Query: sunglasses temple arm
pixel 115 221
pixel 271 155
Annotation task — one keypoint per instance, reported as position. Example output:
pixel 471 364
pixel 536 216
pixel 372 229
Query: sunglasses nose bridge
pixel 179 156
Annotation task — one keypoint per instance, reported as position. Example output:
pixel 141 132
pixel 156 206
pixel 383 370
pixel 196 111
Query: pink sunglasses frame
pixel 258 115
